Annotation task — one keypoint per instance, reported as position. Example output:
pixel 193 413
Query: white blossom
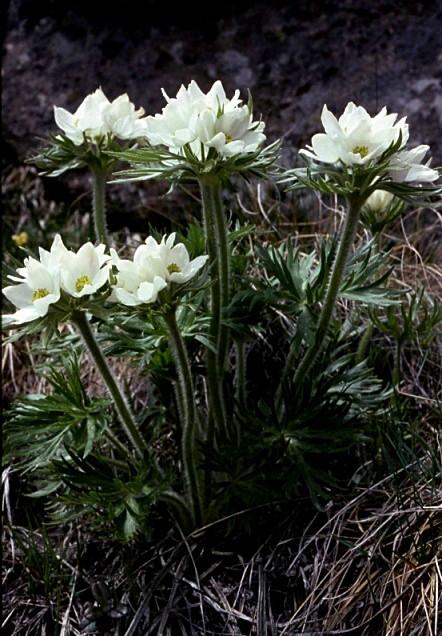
pixel 40 282
pixel 38 287
pixel 356 138
pixel 172 262
pixel 137 281
pixel 406 166
pixel 84 272
pixel 153 266
pixel 379 201
pixel 204 121
pixel 97 116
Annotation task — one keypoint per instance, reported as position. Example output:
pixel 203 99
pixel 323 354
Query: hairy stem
pixel 99 205
pixel 187 409
pixel 218 249
pixel 121 405
pixel 337 273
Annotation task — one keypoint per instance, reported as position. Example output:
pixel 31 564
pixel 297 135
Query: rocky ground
pixel 294 56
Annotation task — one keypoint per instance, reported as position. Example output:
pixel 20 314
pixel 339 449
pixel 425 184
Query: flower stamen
pixel 173 268
pixel 41 292
pixel 360 150
pixel 81 282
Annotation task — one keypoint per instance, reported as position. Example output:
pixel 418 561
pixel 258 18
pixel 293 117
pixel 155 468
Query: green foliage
pixel 62 155
pixel 117 498
pixel 301 279
pixel 159 163
pixel 323 420
pixel 41 428
pixel 417 320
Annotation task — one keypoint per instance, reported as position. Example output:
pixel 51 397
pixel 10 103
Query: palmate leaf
pixel 302 279
pixel 39 428
pixel 247 314
pixel 122 498
pixel 339 387
pixel 143 335
pixel 324 420
pixel 365 273
pixel 61 154
pixel 160 163
pixel 293 271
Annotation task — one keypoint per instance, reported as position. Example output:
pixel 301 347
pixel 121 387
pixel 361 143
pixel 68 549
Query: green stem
pixel 99 205
pixel 188 413
pixel 121 405
pixel 224 274
pixel 338 270
pixel 217 238
pixel 116 442
pixel 240 379
pixel 218 249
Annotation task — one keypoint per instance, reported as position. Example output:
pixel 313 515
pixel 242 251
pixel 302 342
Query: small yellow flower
pixel 20 239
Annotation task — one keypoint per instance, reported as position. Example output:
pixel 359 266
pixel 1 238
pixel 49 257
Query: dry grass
pixel 367 565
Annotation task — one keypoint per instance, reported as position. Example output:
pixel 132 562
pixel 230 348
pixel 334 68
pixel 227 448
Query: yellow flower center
pixel 360 150
pixel 41 292
pixel 229 138
pixel 81 282
pixel 20 239
pixel 173 268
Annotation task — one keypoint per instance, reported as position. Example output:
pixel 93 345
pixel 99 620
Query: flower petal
pixel 325 148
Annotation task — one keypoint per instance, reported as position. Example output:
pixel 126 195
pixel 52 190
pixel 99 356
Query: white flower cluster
pixel 97 117
pixel 82 273
pixel 205 121
pixel 153 266
pixel 357 139
pixel 40 281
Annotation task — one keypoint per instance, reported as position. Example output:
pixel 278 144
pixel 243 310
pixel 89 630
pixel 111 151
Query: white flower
pixel 406 165
pixel 122 120
pixel 53 258
pixel 38 288
pixel 154 265
pixel 84 272
pixel 137 281
pixel 356 138
pixel 379 201
pixel 97 116
pixel 231 133
pixel 172 262
pixel 40 282
pixel 208 119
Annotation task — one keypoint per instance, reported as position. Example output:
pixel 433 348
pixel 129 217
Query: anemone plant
pixel 252 371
